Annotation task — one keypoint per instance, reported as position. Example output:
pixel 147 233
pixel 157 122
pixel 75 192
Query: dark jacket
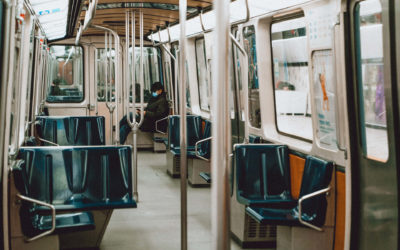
pixel 157 108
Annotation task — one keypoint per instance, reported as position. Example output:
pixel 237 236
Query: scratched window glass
pixel 291 79
pixel 325 99
pixel 249 41
pixel 371 79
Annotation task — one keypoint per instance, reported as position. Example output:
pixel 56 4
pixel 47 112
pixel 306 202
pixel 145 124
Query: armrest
pixel 46 141
pixel 306 197
pixel 159 131
pixel 196 148
pixel 53 216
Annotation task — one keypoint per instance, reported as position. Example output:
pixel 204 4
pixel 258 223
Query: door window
pixel 65 74
pixel 371 79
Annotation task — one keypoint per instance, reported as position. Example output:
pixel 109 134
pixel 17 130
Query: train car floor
pixel 155 224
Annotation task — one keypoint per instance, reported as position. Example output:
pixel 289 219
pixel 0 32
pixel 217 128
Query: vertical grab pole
pixel 221 141
pixel 108 82
pixel 110 105
pixel 182 104
pixel 117 83
pixel 132 122
pixel 126 67
pixel 141 73
pixel 109 87
pixel 137 125
pixel 130 77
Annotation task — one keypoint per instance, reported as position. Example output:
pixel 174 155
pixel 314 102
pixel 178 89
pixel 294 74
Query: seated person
pixel 55 87
pixel 157 108
pixel 280 85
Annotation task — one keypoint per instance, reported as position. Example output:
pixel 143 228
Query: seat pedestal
pixel 302 238
pixel 159 146
pixel 173 164
pixel 144 139
pixel 88 239
pixel 247 232
pixel 195 167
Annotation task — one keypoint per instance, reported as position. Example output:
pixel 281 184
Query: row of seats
pixel 75 179
pixel 197 129
pixel 71 130
pixel 263 185
pixel 207 176
pixel 263 177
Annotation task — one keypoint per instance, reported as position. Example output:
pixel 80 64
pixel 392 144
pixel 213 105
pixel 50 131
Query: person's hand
pixel 138 112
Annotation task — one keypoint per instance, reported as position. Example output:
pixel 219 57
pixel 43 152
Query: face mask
pixel 154 94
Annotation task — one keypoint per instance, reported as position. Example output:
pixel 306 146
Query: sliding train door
pixel 374 127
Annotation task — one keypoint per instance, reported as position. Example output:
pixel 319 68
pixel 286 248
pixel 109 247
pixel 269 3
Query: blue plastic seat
pixel 71 130
pixel 316 177
pixel 263 175
pixel 193 133
pixel 76 178
pixel 254 139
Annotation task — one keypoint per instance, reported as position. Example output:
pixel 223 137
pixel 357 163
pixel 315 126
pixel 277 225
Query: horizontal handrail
pixel 159 131
pixel 197 145
pixel 308 196
pixel 49 142
pixel 53 216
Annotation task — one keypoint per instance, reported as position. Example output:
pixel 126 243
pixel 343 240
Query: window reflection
pixel 370 74
pixel 254 93
pixel 291 79
pixel 201 64
pixel 65 74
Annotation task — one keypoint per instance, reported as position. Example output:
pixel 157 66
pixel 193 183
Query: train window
pixel 15 98
pixel 370 76
pixel 175 52
pixel 325 98
pixel 65 74
pixel 290 73
pixel 167 79
pixel 188 102
pixel 232 86
pixel 238 77
pixel 201 64
pixel 249 36
pixel 151 68
pixel 29 92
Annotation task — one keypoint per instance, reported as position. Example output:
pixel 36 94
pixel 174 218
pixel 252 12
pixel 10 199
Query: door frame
pixel 362 168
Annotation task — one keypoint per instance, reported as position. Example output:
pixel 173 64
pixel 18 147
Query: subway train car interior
pixel 199 124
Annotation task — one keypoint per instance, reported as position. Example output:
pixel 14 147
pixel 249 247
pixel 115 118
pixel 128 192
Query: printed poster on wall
pixel 324 98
